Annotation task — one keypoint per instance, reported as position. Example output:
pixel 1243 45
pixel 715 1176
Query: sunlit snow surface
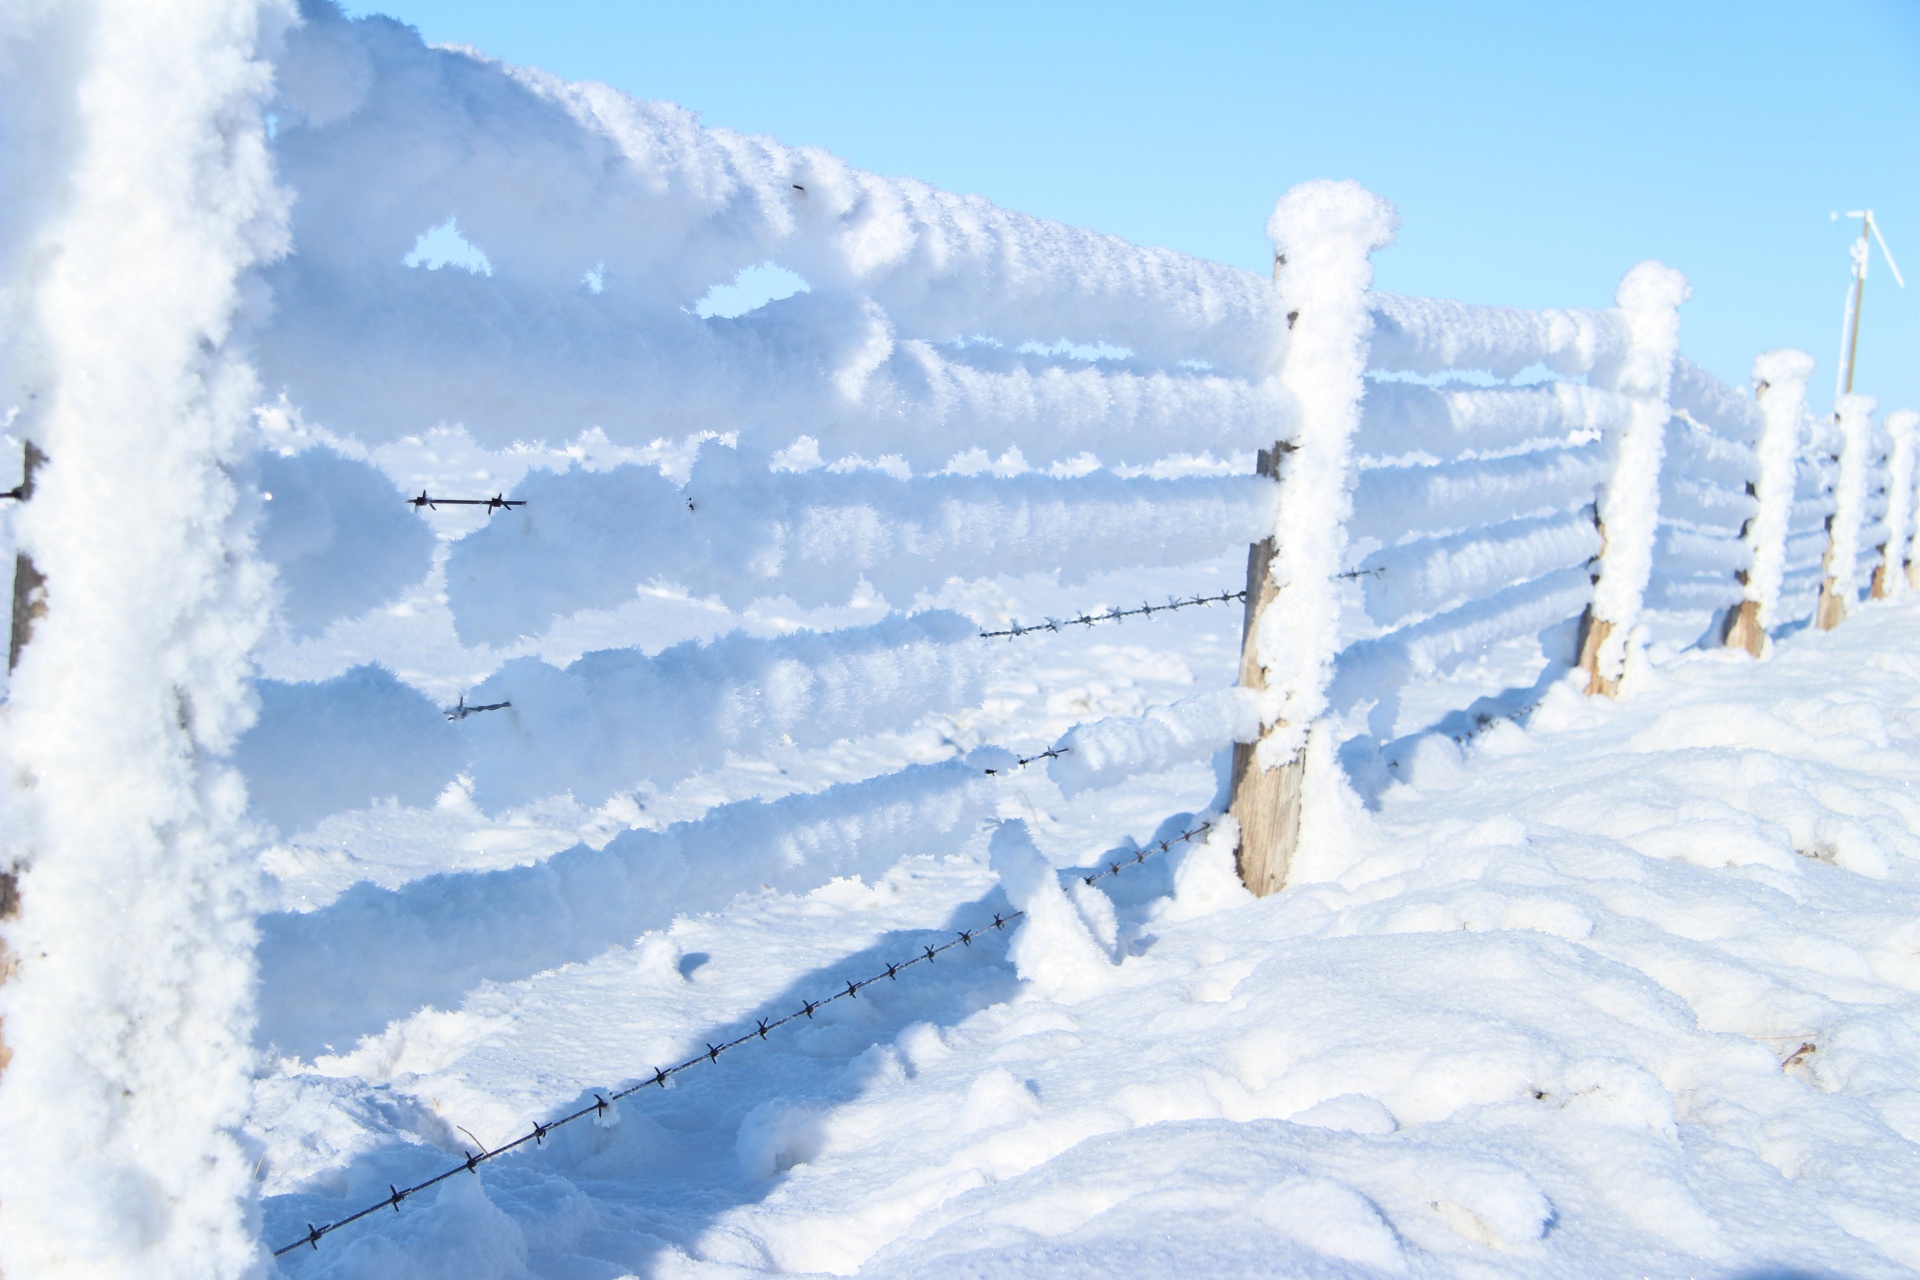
pixel 1529 1017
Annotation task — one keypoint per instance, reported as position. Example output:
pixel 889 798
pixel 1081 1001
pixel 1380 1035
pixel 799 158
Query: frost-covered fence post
pixel 29 587
pixel 129 1016
pixel 1891 575
pixel 1853 414
pixel 1628 509
pixel 1780 388
pixel 1323 234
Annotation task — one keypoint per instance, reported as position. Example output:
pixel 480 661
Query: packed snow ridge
pixel 353 835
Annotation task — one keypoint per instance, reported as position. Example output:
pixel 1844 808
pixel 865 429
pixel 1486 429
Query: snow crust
pixel 1615 1025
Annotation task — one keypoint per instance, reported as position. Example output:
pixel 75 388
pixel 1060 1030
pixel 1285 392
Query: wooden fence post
pixel 29 586
pixel 29 602
pixel 1891 575
pixel 1628 505
pixel 1780 390
pixel 1853 414
pixel 1323 235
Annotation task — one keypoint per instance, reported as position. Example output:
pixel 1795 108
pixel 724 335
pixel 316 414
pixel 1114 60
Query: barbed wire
pixel 1021 762
pixel 1014 628
pixel 1146 851
pixel 662 1076
pixel 460 710
pixel 493 504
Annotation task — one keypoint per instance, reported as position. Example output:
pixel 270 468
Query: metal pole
pixel 1859 296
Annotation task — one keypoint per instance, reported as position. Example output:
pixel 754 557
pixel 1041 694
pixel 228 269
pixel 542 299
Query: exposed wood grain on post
pixel 29 584
pixel 1744 630
pixel 1266 802
pixel 9 908
pixel 1831 611
pixel 29 604
pixel 1594 633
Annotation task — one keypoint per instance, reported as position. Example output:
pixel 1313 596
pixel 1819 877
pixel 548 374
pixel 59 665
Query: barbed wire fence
pixel 662 1076
pixel 929 953
pixel 1015 629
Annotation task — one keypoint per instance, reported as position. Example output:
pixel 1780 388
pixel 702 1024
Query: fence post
pixel 1853 414
pixel 29 586
pixel 29 602
pixel 1323 235
pixel 1628 505
pixel 1780 389
pixel 1892 574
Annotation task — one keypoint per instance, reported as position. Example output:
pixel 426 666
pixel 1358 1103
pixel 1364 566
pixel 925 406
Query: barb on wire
pixel 1140 855
pixel 493 504
pixel 1051 753
pixel 1374 572
pixel 1015 628
pixel 460 710
pixel 663 1076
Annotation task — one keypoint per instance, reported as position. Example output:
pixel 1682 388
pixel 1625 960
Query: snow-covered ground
pixel 1627 990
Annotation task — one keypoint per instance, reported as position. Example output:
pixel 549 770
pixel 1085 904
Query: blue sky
pixel 1535 151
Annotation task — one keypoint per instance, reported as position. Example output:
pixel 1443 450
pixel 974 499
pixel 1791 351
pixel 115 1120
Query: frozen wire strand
pixel 1112 615
pixel 662 1076
pixel 1051 753
pixel 1140 855
pixel 493 504
pixel 460 711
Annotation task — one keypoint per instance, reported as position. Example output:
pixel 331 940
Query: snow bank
pixel 1584 990
pixel 1052 949
pixel 129 1014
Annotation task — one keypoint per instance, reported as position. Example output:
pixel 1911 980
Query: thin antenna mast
pixel 1860 251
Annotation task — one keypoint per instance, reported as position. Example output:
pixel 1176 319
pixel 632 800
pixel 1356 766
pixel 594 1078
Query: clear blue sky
pixel 1535 150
